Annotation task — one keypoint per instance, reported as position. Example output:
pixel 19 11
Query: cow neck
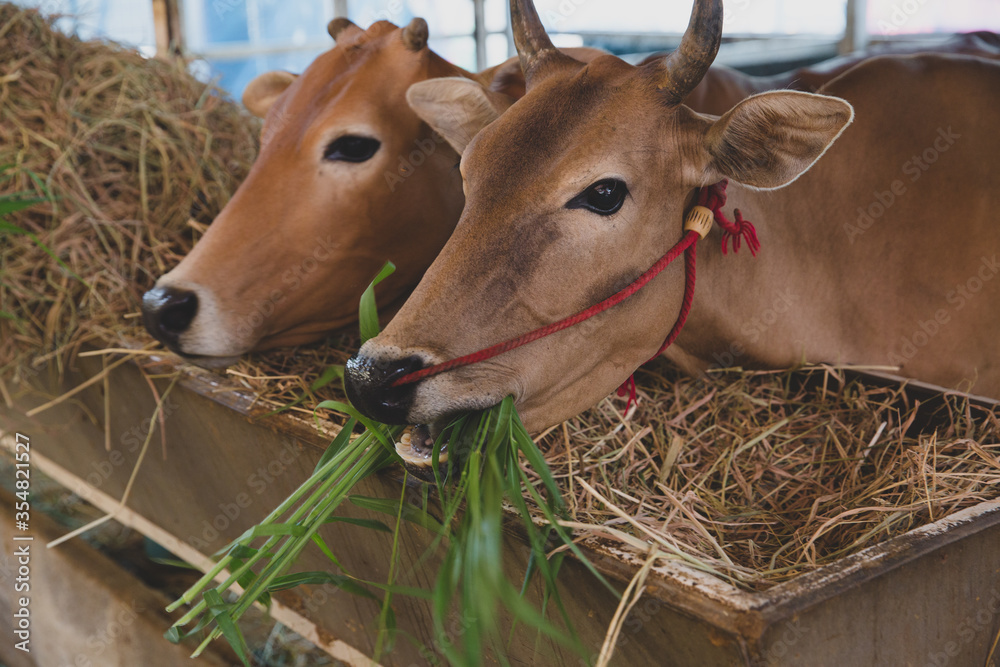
pixel 698 222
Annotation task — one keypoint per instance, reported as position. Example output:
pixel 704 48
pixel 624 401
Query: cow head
pixel 571 194
pixel 347 178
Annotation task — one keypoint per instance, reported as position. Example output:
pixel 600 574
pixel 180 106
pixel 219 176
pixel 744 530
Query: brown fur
pixel 722 86
pixel 361 82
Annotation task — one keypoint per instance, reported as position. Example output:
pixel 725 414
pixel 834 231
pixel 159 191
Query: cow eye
pixel 351 149
pixel 603 197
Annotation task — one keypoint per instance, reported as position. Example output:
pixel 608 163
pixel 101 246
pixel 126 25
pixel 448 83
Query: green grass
pixel 471 580
pixel 273 546
pixel 484 470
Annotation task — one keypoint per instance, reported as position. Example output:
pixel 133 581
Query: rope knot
pixel 714 197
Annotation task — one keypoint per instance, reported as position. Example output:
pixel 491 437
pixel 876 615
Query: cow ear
pixel 456 108
pixel 262 92
pixel 507 78
pixel 768 140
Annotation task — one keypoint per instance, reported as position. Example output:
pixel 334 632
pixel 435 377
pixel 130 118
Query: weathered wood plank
pixel 85 610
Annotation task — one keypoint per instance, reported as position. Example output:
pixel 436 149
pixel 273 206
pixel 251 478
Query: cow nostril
pixel 398 369
pixel 168 312
pixel 179 313
pixel 369 387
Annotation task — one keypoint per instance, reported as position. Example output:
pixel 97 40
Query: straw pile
pixel 132 150
pixel 760 476
pixel 753 476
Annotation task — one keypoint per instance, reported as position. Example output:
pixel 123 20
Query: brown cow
pixel 347 178
pixel 885 252
pixel 322 209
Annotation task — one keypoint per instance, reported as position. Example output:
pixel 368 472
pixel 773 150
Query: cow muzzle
pixel 369 384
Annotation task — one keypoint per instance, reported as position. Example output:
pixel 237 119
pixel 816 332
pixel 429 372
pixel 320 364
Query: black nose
pixel 369 387
pixel 168 312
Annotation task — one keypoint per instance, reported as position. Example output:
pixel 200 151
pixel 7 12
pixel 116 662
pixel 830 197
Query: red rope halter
pixel 712 198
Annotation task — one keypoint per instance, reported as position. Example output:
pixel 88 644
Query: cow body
pixel 723 87
pixel 885 252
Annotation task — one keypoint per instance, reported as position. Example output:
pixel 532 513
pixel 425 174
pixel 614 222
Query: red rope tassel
pixel 714 197
pixel 628 389
pixel 736 230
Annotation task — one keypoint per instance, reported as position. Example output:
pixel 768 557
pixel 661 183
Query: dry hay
pixel 753 476
pixel 132 149
pixel 760 476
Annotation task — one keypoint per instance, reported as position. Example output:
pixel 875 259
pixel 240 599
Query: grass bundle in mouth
pixel 481 472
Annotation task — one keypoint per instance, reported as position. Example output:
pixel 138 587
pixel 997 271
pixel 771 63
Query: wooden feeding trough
pixel 928 597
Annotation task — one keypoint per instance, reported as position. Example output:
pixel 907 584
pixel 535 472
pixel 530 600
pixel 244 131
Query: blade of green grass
pixel 337 445
pixel 371 524
pixel 14 203
pixel 220 612
pixel 404 510
pixel 367 310
pixel 346 584
pixel 387 618
pixel 378 430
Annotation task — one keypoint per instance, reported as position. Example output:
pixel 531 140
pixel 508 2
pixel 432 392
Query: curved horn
pixel 533 44
pixel 338 25
pixel 683 69
pixel 415 34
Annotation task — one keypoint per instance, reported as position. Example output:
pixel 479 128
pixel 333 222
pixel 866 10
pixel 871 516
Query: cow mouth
pixel 416 448
pixel 207 362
